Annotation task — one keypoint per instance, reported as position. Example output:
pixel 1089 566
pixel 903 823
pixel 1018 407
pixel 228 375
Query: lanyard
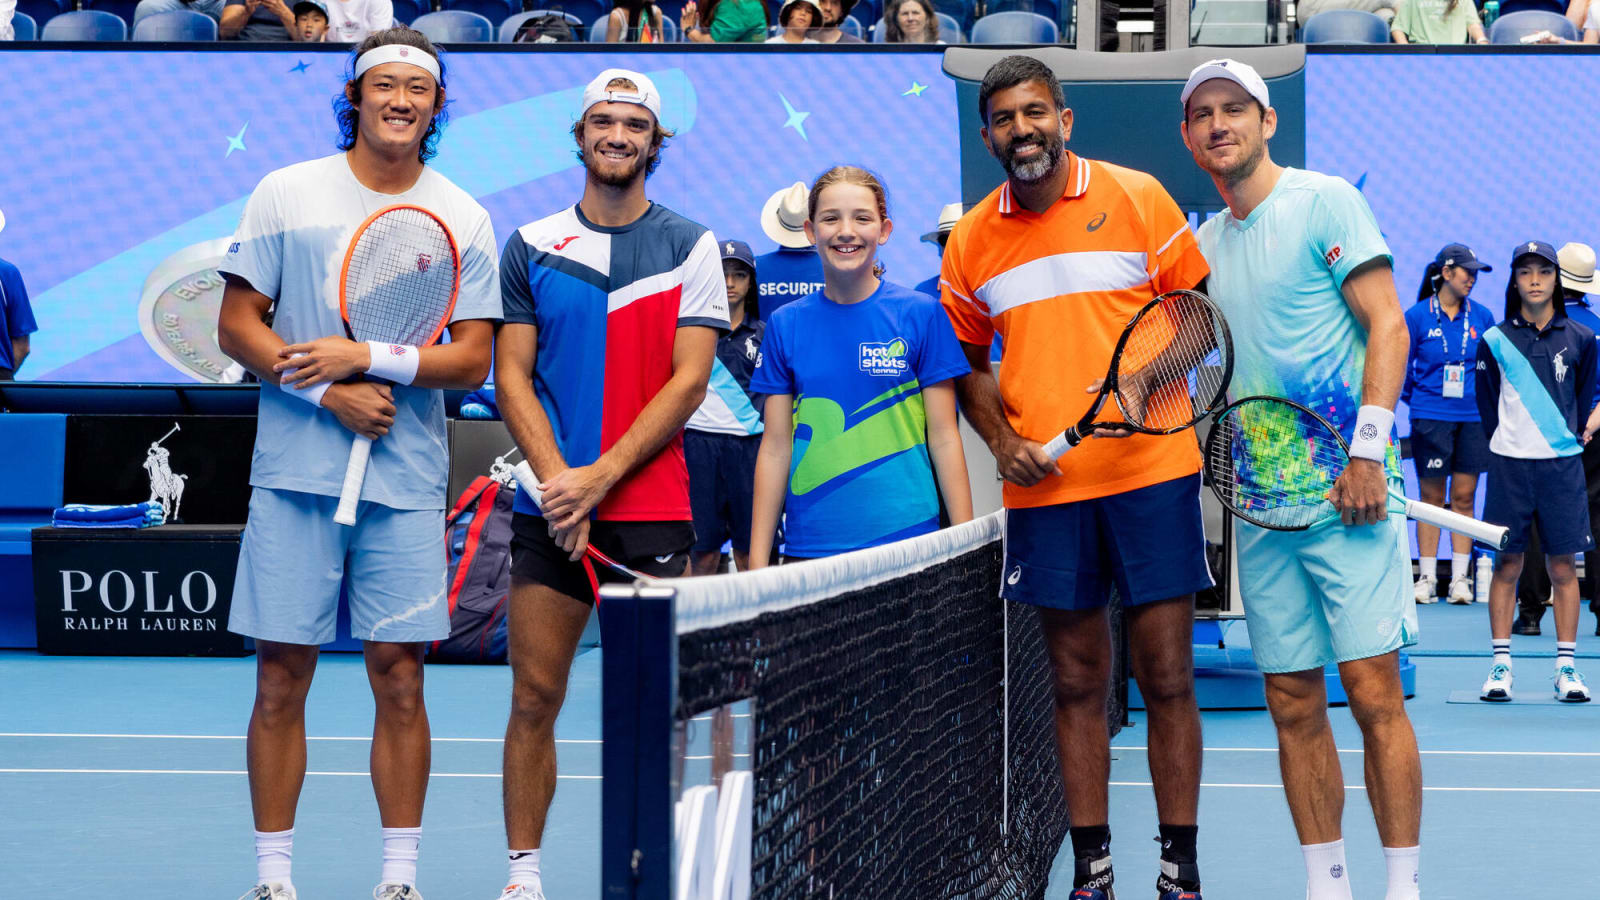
pixel 1466 327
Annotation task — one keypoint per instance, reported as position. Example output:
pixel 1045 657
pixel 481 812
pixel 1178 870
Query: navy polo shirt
pixel 1535 387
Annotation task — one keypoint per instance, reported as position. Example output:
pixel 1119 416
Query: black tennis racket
pixel 1272 463
pixel 1170 369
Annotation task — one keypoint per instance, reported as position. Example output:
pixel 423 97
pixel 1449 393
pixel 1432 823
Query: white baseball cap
pixel 646 96
pixel 1231 69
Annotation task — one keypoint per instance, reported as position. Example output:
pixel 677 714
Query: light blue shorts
pixel 1332 593
pixel 295 558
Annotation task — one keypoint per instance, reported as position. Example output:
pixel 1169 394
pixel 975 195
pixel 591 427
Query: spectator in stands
pixel 798 18
pixel 833 15
pixel 911 22
pixel 726 21
pixel 722 437
pixel 1585 16
pixel 17 325
pixel 253 20
pixel 948 217
pixel 350 21
pixel 311 21
pixel 212 8
pixel 633 22
pixel 794 269
pixel 1383 9
pixel 1447 439
pixel 1437 22
pixel 1536 377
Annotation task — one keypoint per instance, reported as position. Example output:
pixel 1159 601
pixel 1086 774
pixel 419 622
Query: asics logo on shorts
pixel 1015 576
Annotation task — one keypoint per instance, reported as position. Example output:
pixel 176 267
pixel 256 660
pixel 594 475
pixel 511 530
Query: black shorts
pixel 1549 491
pixel 1441 449
pixel 653 548
pixel 722 475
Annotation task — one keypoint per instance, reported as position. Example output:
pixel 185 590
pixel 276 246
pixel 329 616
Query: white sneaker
pixel 393 890
pixel 1461 593
pixel 1498 688
pixel 1427 589
pixel 520 892
pixel 1570 687
pixel 270 891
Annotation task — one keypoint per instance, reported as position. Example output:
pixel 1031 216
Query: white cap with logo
pixel 646 96
pixel 1231 69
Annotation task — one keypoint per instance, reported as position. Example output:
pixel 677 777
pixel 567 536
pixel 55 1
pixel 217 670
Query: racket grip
pixel 1061 443
pixel 355 472
pixel 1495 536
pixel 528 481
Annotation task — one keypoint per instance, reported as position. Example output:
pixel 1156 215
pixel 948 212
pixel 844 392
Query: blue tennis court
pixel 121 774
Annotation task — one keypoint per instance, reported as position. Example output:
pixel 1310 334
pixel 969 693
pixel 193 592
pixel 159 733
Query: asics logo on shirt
pixel 562 244
pixel 1096 222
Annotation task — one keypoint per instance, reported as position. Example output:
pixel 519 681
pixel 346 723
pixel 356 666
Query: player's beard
pixel 614 179
pixel 1040 167
pixel 1246 166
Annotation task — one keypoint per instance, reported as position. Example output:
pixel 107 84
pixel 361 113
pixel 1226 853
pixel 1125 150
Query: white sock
pixel 525 869
pixel 1326 878
pixel 400 855
pixel 1428 567
pixel 274 853
pixel 1460 565
pixel 1566 653
pixel 1403 877
pixel 1502 651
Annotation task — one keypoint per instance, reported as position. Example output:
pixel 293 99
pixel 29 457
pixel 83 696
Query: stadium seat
pixel 176 25
pixel 496 11
pixel 851 26
pixel 24 27
pixel 122 9
pixel 1507 7
pixel 1047 8
pixel 85 25
pixel 407 11
pixel 508 28
pixel 1510 29
pixel 1014 28
pixel 586 10
pixel 1345 26
pixel 949 31
pixel 42 11
pixel 455 26
pixel 962 12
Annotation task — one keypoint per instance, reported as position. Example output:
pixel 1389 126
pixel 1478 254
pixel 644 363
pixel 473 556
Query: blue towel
pixel 88 512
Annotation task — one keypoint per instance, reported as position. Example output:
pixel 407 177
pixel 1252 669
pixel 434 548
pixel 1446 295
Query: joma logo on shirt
pixel 885 358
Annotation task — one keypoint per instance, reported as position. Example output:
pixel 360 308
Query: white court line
pixel 1358 787
pixel 243 772
pixel 240 737
pixel 1575 753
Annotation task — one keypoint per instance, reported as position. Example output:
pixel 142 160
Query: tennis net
pixel 901 733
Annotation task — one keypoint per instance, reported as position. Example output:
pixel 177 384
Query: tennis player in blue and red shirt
pixel 613 307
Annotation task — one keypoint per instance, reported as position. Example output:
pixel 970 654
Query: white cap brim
pixel 1232 70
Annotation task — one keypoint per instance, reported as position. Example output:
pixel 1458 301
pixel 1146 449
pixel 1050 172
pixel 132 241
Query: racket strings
pixel 1173 369
pixel 400 282
pixel 1273 465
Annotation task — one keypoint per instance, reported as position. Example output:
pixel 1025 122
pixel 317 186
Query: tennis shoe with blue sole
pixel 1175 879
pixel 1570 687
pixel 393 890
pixel 1497 689
pixel 1094 878
pixel 270 891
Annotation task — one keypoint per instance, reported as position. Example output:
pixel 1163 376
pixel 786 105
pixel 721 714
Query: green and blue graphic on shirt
pixel 859 473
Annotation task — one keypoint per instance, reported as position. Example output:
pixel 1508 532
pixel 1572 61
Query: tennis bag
pixel 478 550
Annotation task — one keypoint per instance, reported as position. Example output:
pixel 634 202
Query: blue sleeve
pixel 940 357
pixel 1486 389
pixel 1344 231
pixel 1411 356
pixel 19 312
pixel 773 374
pixel 516 296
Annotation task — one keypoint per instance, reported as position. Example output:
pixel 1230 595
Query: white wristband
pixel 394 362
pixel 311 395
pixel 1371 438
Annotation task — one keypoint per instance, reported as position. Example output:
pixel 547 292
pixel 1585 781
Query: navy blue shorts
pixel 1441 449
pixel 1551 491
pixel 1149 542
pixel 722 475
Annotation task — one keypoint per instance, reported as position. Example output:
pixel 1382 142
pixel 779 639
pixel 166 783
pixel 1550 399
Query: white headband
pixel 399 53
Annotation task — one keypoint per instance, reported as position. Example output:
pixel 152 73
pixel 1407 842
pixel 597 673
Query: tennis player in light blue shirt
pixel 1301 271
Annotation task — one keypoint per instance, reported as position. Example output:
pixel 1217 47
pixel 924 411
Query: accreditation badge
pixel 1455 380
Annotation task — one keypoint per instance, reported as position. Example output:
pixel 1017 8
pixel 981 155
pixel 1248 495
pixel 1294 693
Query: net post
pixel 639 690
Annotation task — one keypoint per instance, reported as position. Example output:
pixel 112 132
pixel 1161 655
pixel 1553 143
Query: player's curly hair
pixel 345 104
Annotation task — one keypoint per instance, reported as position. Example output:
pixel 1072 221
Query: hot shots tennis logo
pixel 885 358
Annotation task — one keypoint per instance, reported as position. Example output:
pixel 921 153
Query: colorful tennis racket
pixel 1170 369
pixel 399 285
pixel 1272 463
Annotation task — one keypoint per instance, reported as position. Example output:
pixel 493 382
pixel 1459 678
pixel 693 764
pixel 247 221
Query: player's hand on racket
pixel 1113 429
pixel 572 494
pixel 325 359
pixel 1023 462
pixel 364 407
pixel 1361 493
pixel 574 540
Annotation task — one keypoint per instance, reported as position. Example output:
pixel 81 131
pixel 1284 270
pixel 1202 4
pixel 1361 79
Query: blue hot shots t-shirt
pixel 859 474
